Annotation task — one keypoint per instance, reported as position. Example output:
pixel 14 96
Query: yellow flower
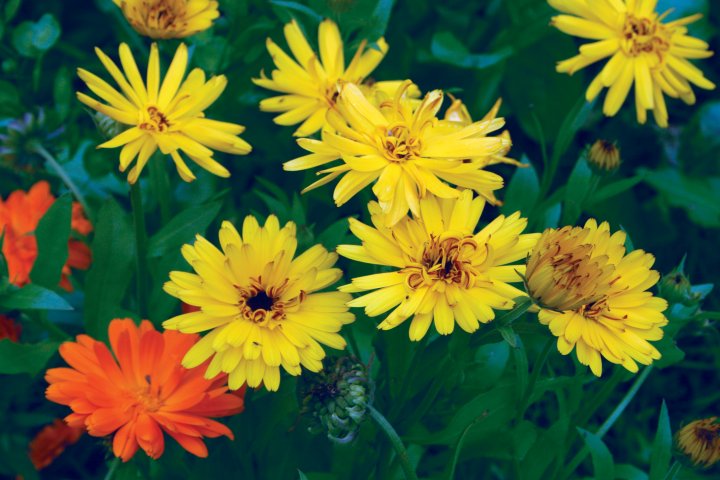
pixel 700 441
pixel 404 148
pixel 458 117
pixel 310 85
pixel 604 157
pixel 168 116
pixel 169 18
pixel 444 271
pixel 594 297
pixel 262 307
pixel 642 49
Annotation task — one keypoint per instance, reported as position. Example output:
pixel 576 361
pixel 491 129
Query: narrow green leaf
pixel 447 48
pixel 182 229
pixel 52 234
pixel 615 188
pixel 32 297
pixel 602 459
pixel 625 471
pixel 25 357
pixel 662 446
pixel 522 190
pixel 578 189
pixel 113 258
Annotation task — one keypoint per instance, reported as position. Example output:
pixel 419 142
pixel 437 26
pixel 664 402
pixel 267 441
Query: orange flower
pixel 141 394
pixel 19 216
pixel 9 328
pixel 51 441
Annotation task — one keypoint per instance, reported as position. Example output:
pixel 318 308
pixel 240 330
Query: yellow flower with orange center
pixel 644 51
pixel 444 271
pixel 310 83
pixel 169 18
pixel 594 297
pixel 404 149
pixel 169 116
pixel 262 305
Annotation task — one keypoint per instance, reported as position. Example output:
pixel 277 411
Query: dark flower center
pixel 260 301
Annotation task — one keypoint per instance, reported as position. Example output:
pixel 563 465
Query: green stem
pixel 601 397
pixel 161 186
pixel 60 171
pixel 542 358
pixel 395 441
pixel 609 422
pixel 113 466
pixel 141 248
pixel 673 471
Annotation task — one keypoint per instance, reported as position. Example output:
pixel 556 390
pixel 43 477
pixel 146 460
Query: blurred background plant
pixel 500 403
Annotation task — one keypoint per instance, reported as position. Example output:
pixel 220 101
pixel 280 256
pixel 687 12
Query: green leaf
pixel 447 48
pixel 52 234
pixel 11 8
pixel 578 188
pixel 662 446
pixel 32 297
pixel 699 197
pixel 490 362
pixel 113 259
pixel 25 357
pixel 522 191
pixel 615 188
pixel 626 471
pixel 301 475
pixel 298 7
pixel 602 459
pixel 32 39
pixel 182 229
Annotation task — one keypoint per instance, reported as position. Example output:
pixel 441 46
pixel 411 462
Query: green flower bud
pixel 336 398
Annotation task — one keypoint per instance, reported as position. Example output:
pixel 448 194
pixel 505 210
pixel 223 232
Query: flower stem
pixel 395 441
pixel 141 248
pixel 60 172
pixel 161 186
pixel 542 358
pixel 111 470
pixel 609 422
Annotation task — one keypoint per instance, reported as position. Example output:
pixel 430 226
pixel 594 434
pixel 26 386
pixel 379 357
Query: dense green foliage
pixel 473 406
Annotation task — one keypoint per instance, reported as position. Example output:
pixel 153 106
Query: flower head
pixel 643 51
pixel 604 157
pixel 261 304
pixel 51 441
pixel 141 391
pixel 337 397
pixel 594 297
pixel 9 328
pixel 168 116
pixel 310 83
pixel 444 271
pixel 699 440
pixel 20 214
pixel 169 18
pixel 404 149
pixel 17 145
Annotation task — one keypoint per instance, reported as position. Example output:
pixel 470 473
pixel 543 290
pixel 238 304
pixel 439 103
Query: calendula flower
pixel 310 83
pixel 603 157
pixel 444 272
pixel 404 149
pixel 262 306
pixel 699 440
pixel 594 297
pixel 140 390
pixel 20 214
pixel 9 328
pixel 52 441
pixel 169 18
pixel 168 116
pixel 644 51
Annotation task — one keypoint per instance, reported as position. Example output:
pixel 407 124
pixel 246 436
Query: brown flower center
pixel 447 260
pixel 164 14
pixel 643 35
pixel 155 121
pixel 263 305
pixel 398 145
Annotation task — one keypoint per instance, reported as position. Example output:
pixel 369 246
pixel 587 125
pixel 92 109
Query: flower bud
pixel 604 157
pixel 699 441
